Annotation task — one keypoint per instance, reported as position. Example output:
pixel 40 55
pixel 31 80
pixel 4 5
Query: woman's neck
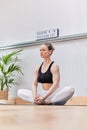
pixel 46 61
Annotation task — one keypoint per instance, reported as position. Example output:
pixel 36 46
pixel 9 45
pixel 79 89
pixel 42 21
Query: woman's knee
pixel 70 89
pixel 24 92
pixel 20 92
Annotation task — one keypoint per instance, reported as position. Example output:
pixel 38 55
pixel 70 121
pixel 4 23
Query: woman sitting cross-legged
pixel 48 75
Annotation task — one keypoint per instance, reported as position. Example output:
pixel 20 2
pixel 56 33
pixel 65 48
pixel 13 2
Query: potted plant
pixel 8 69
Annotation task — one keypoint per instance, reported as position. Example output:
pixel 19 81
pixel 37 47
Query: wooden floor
pixel 21 115
pixel 38 117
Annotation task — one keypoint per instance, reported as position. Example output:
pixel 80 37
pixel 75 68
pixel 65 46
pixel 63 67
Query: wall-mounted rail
pixel 52 40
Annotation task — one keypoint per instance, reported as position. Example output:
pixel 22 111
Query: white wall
pixel 20 19
pixel 72 59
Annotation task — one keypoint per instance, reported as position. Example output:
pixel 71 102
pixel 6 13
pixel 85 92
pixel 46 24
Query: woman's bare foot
pixel 41 101
pixel 47 103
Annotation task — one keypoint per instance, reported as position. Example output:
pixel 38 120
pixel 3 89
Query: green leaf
pixel 9 57
pixel 8 68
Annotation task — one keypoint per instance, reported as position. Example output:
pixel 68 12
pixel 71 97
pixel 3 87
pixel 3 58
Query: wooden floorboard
pixel 21 115
pixel 39 117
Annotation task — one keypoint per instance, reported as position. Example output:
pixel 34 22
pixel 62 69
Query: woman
pixel 48 75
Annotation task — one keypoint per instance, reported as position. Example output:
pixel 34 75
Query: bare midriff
pixel 46 86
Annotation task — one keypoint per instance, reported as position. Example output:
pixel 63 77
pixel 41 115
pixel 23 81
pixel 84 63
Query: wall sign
pixel 45 34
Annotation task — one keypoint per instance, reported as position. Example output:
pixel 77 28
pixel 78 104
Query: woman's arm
pixel 56 79
pixel 35 83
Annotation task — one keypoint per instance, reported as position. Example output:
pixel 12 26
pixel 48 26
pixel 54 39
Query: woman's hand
pixel 39 100
pixel 35 100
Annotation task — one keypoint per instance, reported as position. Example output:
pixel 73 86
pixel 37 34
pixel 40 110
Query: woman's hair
pixel 49 46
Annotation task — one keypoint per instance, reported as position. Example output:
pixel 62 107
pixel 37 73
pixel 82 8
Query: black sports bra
pixel 45 77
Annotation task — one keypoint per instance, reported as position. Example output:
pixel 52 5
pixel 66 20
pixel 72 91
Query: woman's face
pixel 44 52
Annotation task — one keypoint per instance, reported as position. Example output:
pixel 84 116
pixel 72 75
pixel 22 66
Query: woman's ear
pixel 51 52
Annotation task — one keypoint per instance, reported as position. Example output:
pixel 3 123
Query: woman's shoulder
pixel 55 66
pixel 37 67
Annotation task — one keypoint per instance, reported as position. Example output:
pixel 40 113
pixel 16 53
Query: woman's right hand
pixel 36 100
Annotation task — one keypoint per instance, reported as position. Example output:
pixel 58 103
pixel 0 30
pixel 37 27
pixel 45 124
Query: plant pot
pixel 4 94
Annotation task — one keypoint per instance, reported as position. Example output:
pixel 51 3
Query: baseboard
pixel 75 100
